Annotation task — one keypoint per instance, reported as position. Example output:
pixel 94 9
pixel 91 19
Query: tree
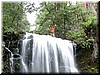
pixel 13 16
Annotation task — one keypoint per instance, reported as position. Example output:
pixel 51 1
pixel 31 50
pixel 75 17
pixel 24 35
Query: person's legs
pixel 53 34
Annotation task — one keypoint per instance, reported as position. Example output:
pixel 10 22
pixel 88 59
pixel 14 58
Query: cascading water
pixel 47 54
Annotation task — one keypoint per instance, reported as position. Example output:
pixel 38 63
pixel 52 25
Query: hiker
pixel 52 30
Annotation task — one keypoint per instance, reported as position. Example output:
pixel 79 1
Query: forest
pixel 76 22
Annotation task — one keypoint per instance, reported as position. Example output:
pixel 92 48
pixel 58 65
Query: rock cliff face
pixel 11 41
pixel 87 61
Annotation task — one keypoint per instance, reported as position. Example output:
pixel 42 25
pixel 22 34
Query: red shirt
pixel 52 29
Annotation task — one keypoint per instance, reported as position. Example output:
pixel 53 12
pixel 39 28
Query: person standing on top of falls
pixel 52 30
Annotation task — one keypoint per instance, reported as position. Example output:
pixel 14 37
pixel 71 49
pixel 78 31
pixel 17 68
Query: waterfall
pixel 47 54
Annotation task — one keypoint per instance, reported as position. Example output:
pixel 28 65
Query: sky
pixel 31 17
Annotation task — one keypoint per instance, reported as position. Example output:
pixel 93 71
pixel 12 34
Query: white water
pixel 47 54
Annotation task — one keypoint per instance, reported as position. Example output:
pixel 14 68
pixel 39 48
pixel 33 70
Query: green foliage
pixel 14 17
pixel 89 23
pixel 80 38
pixel 76 33
pixel 73 22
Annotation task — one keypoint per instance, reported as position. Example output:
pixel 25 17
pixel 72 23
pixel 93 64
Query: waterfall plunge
pixel 47 54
